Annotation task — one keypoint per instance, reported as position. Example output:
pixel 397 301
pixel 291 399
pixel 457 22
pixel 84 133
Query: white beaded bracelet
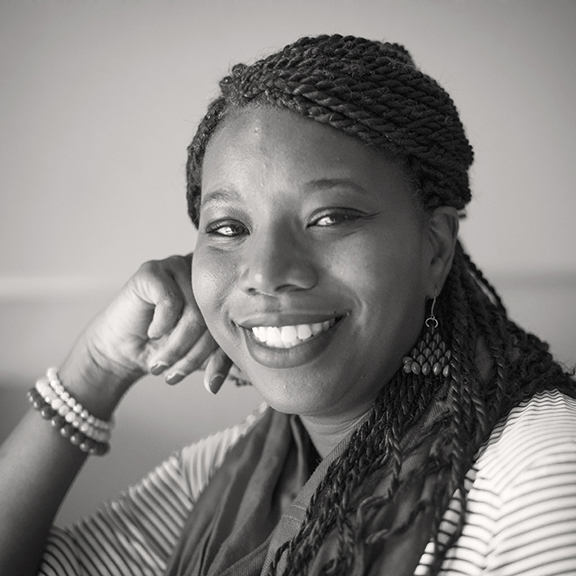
pixel 70 415
pixel 68 400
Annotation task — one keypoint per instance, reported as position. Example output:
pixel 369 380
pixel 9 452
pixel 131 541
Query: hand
pixel 218 369
pixel 153 325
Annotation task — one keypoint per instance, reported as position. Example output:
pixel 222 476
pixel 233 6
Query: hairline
pixel 234 110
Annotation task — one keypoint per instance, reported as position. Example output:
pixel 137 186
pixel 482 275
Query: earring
pixel 430 355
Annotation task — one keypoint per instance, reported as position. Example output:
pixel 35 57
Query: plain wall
pixel 99 100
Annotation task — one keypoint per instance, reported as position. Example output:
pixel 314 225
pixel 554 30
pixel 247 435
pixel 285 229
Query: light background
pixel 99 99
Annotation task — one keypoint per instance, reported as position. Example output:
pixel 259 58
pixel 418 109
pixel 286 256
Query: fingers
pixel 216 371
pixel 185 338
pixel 192 360
pixel 177 330
pixel 155 286
pixel 179 342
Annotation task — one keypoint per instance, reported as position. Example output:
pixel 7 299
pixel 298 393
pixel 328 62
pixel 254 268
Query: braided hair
pixel 373 91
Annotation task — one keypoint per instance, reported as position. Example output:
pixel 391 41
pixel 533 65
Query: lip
pixel 297 355
pixel 293 319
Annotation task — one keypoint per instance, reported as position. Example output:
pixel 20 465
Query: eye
pixel 335 216
pixel 226 228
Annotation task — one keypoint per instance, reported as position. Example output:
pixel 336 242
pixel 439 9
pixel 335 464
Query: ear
pixel 443 227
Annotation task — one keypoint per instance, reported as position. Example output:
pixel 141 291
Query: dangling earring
pixel 430 355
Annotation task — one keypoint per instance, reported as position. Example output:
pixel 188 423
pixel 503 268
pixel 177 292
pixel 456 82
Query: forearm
pixel 154 325
pixel 38 465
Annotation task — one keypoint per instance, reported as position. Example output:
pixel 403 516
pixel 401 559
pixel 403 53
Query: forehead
pixel 262 132
pixel 280 142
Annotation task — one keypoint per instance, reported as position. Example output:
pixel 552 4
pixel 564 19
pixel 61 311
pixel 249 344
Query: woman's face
pixel 311 263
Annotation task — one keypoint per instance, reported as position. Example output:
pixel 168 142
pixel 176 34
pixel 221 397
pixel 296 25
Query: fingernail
pixel 174 378
pixel 216 383
pixel 157 369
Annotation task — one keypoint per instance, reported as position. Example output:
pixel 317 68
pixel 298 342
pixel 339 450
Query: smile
pixel 290 336
pixel 290 342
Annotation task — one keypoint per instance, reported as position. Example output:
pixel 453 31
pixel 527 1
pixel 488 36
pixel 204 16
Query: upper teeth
pixel 288 336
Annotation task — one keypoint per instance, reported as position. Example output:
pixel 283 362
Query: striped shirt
pixel 520 517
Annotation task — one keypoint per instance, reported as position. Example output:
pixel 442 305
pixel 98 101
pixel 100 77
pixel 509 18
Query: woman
pixel 409 426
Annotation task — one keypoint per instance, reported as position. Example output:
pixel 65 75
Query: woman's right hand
pixel 153 325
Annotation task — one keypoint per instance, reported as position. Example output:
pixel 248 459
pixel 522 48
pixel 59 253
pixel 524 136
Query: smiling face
pixel 312 265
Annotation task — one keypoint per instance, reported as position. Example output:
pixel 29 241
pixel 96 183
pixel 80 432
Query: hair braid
pixel 373 91
pixel 370 90
pixel 375 444
pixel 520 366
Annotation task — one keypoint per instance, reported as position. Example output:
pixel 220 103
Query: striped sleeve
pixel 535 534
pixel 521 504
pixel 136 534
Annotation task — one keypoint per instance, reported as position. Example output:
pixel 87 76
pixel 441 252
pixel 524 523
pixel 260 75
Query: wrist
pixel 94 380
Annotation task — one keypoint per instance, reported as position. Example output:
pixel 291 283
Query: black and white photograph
pixel 287 288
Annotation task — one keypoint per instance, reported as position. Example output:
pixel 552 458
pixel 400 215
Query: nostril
pixel 273 272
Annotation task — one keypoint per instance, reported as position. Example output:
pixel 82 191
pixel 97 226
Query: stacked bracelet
pixel 72 410
pixel 67 415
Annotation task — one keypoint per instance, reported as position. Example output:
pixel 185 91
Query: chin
pixel 294 394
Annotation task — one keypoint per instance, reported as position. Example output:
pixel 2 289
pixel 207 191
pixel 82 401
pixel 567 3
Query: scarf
pixel 257 500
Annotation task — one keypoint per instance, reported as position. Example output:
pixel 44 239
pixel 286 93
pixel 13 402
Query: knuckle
pixel 151 267
pixel 192 332
pixel 193 359
pixel 193 322
pixel 170 301
pixel 177 261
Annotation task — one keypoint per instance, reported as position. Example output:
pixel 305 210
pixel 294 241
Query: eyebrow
pixel 218 196
pixel 329 183
pixel 223 195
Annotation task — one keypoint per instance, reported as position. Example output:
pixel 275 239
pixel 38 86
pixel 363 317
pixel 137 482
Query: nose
pixel 277 261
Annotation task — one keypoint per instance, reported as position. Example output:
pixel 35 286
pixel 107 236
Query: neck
pixel 326 435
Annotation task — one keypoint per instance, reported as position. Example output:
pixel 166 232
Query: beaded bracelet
pixel 66 398
pixel 76 437
pixel 67 415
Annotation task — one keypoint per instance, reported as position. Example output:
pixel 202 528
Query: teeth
pixel 288 336
pixel 273 336
pixel 316 328
pixel 304 331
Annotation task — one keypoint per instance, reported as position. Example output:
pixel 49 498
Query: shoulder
pixel 521 495
pixel 200 460
pixel 540 430
pixel 523 502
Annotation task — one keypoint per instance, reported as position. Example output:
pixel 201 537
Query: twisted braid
pixel 520 366
pixel 370 90
pixel 373 91
pixel 374 445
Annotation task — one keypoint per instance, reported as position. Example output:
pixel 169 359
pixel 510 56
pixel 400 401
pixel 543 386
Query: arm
pixel 536 530
pixel 153 324
pixel 137 533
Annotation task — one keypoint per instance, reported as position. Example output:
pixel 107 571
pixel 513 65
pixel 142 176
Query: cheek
pixel 383 262
pixel 209 279
pixel 386 274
